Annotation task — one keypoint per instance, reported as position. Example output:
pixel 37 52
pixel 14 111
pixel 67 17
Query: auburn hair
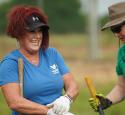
pixel 17 21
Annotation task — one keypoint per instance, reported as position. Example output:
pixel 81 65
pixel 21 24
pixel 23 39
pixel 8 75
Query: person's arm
pixel 70 86
pixel 14 100
pixel 62 104
pixel 118 92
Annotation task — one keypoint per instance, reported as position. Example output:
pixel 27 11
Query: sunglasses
pixel 117 28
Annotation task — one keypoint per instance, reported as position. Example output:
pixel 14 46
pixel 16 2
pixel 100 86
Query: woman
pixel 45 73
pixel 117 26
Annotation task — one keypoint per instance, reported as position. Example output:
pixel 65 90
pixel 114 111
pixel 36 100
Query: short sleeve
pixel 8 71
pixel 61 64
pixel 120 66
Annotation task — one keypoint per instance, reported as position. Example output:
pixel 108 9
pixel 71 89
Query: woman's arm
pixel 14 100
pixel 62 104
pixel 118 92
pixel 71 87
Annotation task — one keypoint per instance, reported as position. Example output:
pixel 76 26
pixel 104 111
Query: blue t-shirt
pixel 42 83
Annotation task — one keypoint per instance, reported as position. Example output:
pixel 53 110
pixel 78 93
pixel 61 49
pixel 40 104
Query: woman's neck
pixel 31 57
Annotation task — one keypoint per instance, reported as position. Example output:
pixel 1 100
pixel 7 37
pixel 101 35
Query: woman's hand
pixel 61 105
pixel 50 112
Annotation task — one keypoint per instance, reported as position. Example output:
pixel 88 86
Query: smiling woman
pixel 45 71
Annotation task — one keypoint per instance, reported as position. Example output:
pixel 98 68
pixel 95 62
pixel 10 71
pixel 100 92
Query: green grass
pixel 81 105
pixel 4 110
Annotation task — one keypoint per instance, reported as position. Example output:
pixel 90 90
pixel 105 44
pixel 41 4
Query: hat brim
pixel 113 23
pixel 37 25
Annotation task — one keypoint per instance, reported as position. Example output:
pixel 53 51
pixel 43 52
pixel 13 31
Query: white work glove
pixel 68 113
pixel 61 105
pixel 50 112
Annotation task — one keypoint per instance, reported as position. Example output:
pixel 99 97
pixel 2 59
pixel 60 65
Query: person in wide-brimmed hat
pixel 116 24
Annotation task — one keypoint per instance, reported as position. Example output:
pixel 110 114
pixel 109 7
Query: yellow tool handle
pixel 90 86
pixel 92 91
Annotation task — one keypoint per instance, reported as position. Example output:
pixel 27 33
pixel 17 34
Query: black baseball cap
pixel 34 22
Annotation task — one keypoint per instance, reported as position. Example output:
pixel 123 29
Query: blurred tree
pixel 25 2
pixel 5 7
pixel 64 16
pixel 103 19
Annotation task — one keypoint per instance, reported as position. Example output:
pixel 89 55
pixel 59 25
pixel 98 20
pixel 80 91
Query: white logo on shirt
pixel 54 69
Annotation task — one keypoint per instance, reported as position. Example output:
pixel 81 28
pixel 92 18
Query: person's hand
pixel 50 112
pixel 61 105
pixel 105 103
pixel 68 113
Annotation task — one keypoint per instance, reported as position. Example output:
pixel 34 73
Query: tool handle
pixel 20 68
pixel 21 76
pixel 101 110
pixel 91 87
pixel 92 91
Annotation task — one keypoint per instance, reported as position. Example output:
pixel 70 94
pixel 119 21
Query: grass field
pixel 76 52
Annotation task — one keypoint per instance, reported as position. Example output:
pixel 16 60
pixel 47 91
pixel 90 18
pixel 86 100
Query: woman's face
pixel 31 42
pixel 121 34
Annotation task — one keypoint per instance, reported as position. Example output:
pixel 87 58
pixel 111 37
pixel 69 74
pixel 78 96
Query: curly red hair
pixel 17 21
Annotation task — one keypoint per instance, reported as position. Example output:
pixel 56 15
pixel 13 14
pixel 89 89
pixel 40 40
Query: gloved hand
pixel 68 113
pixel 61 105
pixel 50 112
pixel 105 103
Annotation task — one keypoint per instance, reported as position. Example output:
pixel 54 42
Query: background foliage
pixel 64 16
